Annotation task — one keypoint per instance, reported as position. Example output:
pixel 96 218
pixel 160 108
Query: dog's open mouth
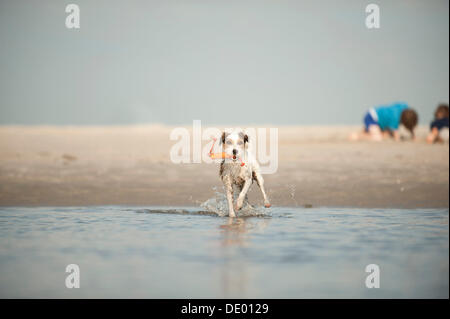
pixel 234 157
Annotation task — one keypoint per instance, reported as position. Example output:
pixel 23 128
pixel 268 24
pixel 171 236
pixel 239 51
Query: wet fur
pixel 237 179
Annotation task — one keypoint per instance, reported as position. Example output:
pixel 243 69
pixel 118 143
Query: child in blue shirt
pixel 384 120
pixel 439 128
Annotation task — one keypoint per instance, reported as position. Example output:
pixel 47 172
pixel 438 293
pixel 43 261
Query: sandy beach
pixel 130 165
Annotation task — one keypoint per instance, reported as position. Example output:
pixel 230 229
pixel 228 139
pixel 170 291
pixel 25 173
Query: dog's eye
pixel 229 142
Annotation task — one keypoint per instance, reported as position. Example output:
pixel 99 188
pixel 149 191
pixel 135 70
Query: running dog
pixel 238 170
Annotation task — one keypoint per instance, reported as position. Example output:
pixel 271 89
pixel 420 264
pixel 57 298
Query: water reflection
pixel 235 240
pixel 180 253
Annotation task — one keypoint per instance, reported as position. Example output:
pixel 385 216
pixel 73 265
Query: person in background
pixel 439 128
pixel 384 121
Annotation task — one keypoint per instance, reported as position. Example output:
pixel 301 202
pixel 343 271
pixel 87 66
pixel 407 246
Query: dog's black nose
pixel 234 152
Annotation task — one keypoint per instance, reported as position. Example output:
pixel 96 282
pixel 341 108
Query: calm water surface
pixel 160 252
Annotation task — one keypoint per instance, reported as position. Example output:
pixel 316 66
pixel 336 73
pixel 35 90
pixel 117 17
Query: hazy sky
pixel 223 62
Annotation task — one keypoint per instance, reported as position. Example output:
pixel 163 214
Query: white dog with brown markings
pixel 238 170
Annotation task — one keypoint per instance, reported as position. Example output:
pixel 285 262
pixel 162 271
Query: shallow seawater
pixel 162 252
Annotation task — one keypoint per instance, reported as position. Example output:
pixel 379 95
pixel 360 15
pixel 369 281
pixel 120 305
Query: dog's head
pixel 234 144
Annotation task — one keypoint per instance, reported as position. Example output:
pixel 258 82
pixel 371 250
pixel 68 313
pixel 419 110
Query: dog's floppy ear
pixel 222 139
pixel 244 137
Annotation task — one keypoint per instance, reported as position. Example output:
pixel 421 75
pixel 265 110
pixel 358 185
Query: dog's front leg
pixel 243 193
pixel 229 189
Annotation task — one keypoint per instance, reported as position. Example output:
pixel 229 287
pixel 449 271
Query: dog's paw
pixel 238 205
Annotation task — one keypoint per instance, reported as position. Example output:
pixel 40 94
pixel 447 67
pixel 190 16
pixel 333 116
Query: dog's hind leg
pixel 260 181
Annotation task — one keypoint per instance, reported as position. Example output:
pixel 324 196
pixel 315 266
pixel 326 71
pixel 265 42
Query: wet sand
pixel 130 165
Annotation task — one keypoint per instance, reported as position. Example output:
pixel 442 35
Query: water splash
pixel 215 206
pixel 175 211
pixel 219 205
pixel 292 193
